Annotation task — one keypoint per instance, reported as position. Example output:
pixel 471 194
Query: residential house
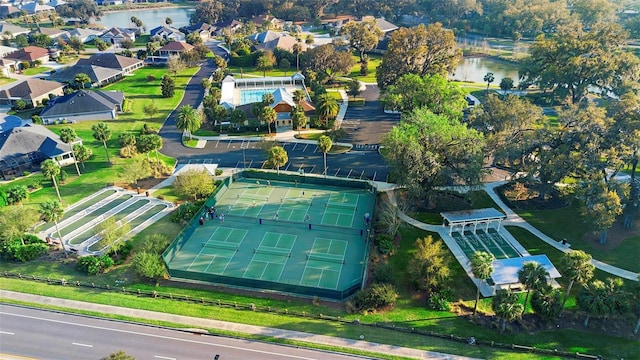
pixel 205 30
pixel 117 35
pixel 9 11
pixel 167 33
pixel 30 54
pixel 112 61
pixel 24 146
pixel 265 36
pixel 7 67
pixel 52 32
pixel 32 91
pixel 84 105
pixel 9 31
pixel 99 76
pixel 174 48
pixel 228 27
pixel 35 8
pixel 55 3
pixel 102 69
pixel 268 22
pixel 85 35
pixel 285 42
pixel 6 50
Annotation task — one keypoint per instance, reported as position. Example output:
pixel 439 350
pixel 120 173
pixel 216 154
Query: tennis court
pixel 278 235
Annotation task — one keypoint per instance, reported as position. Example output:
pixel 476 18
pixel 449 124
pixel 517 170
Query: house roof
pixel 110 60
pixel 82 34
pixel 29 53
pixel 280 96
pixel 198 28
pixel 166 30
pixel 176 46
pixel 265 36
pixel 385 26
pixel 119 32
pixel 9 122
pixel 4 50
pixel 54 33
pixel 13 29
pixel 83 102
pixel 8 10
pixel 285 42
pixel 35 7
pixel 55 3
pixel 30 89
pixel 23 140
pixel 96 73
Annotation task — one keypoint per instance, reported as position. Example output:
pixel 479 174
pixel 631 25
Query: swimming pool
pixel 253 96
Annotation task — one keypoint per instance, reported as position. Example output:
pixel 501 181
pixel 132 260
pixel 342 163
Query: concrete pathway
pixel 232 327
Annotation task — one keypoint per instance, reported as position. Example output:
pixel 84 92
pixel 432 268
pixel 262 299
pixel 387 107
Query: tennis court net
pixel 220 245
pixel 272 251
pixel 326 258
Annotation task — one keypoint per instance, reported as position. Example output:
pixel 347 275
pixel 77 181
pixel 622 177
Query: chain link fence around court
pixel 92 287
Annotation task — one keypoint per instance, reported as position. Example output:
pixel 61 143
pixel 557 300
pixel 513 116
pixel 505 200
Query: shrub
pixel 63 176
pixel 151 78
pixel 148 130
pixel 376 297
pixel 383 274
pixel 439 301
pixel 93 265
pixel 14 250
pixel 26 173
pixel 385 244
pixel 185 212
pixel 20 104
pixel 36 119
pixel 218 172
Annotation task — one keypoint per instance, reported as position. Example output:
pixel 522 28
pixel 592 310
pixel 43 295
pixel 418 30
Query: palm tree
pixel 576 266
pixel 489 78
pixel 188 120
pixel 269 116
pixel 482 268
pixel 325 144
pixel 327 107
pixel 297 50
pixel 506 307
pixel 68 136
pixel 51 169
pixel 547 302
pixel 602 298
pixel 82 79
pixel 277 156
pixel 168 21
pixel 298 96
pixel 534 277
pixel 102 133
pixel 81 153
pixel 52 210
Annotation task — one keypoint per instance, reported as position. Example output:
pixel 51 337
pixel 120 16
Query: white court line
pixel 85 345
pixel 163 357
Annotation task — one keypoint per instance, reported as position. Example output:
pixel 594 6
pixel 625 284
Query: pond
pixel 475 68
pixel 150 17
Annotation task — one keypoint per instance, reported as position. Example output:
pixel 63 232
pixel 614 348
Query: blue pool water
pixel 253 96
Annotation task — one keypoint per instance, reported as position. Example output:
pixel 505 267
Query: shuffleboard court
pixel 279 235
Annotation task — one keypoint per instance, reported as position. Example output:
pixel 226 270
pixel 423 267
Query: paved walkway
pixel 232 327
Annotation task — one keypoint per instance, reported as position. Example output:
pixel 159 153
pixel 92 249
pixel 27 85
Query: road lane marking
pixel 241 348
pixel 163 357
pixel 7 333
pixel 80 344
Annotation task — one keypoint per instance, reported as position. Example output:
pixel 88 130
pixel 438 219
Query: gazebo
pixel 463 218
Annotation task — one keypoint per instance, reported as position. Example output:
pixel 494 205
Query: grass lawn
pixel 206 132
pixel 568 223
pixel 189 143
pixel 374 61
pixel 98 173
pixel 4 80
pixel 335 94
pixel 35 70
pixel 252 72
pixel 309 136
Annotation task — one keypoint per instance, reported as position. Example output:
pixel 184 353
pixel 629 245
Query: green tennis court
pixel 279 235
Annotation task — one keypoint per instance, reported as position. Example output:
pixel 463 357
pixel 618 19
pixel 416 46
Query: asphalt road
pixel 37 334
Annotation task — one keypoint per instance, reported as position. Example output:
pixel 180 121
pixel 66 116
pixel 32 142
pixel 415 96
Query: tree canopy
pixel 428 150
pixel 328 62
pixel 363 36
pixel 571 61
pixel 421 50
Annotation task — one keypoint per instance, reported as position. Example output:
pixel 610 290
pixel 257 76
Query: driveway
pixel 366 125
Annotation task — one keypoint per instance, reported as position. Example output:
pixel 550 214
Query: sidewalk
pixel 232 327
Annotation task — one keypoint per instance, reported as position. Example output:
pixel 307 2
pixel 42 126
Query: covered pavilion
pixel 463 218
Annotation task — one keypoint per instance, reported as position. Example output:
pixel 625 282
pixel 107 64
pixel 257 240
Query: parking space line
pixel 337 171
pixel 294 146
pixel 374 175
pixel 217 143
pixel 349 174
pixel 287 168
pixel 305 147
pixel 361 175
pixel 229 144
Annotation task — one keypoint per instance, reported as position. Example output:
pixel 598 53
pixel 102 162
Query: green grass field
pixel 35 70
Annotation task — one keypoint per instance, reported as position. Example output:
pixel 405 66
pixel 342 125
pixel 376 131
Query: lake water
pixel 475 68
pixel 150 17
